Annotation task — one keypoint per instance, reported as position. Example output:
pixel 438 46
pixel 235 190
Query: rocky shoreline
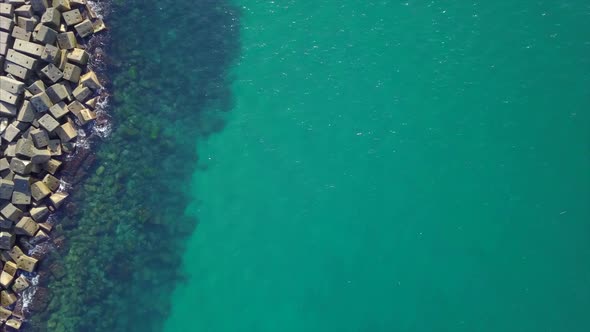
pixel 49 98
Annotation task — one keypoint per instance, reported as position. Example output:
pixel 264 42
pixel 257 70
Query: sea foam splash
pixel 29 293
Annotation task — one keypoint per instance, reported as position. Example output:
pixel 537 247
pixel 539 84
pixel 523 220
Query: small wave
pixel 102 126
pixel 64 186
pixel 29 293
pixel 82 142
pixel 99 7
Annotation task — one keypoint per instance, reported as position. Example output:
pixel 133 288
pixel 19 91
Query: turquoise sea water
pixel 356 166
pixel 398 166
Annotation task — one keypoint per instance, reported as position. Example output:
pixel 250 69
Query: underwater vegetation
pixel 125 226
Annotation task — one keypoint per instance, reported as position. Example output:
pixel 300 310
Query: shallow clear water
pixel 362 166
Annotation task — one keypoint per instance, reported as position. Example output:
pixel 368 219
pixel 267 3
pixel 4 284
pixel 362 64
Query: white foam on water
pixel 64 186
pixel 98 7
pixel 82 142
pixel 29 293
pixel 102 129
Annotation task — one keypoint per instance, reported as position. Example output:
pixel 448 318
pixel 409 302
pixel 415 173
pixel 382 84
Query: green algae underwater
pixel 127 227
pixel 362 166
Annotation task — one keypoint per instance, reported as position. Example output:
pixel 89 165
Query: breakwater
pixel 50 98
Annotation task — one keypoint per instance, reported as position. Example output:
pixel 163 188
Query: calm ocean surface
pixel 378 166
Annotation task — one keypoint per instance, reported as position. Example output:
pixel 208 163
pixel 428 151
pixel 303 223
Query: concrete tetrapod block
pixel 37 87
pixel 54 147
pixel 66 132
pixel 52 73
pixel 6 189
pixel 52 166
pixel 20 166
pixel 72 73
pixel 6 23
pixel 8 272
pixel 24 11
pixel 11 85
pixel 45 34
pixel 51 182
pixel 21 59
pixel 57 92
pixel 78 56
pixel 25 148
pixel 82 93
pixel 48 123
pixel 39 6
pixel 20 284
pixel 9 98
pixel 16 70
pixel 61 5
pixel 7 298
pixel 67 40
pixel 7 109
pixel 14 324
pixel 72 17
pixel 57 199
pixel 39 213
pixel 21 34
pixel 41 156
pixel 26 263
pixel 26 112
pixel 41 102
pixel 28 23
pixel 90 80
pixel 26 226
pixel 51 18
pixel 84 28
pixel 87 115
pixel 4 314
pixel 6 240
pixel 22 190
pixel 11 212
pixel 59 110
pixel 50 53
pixel 6 10
pixel 11 132
pixel 40 138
